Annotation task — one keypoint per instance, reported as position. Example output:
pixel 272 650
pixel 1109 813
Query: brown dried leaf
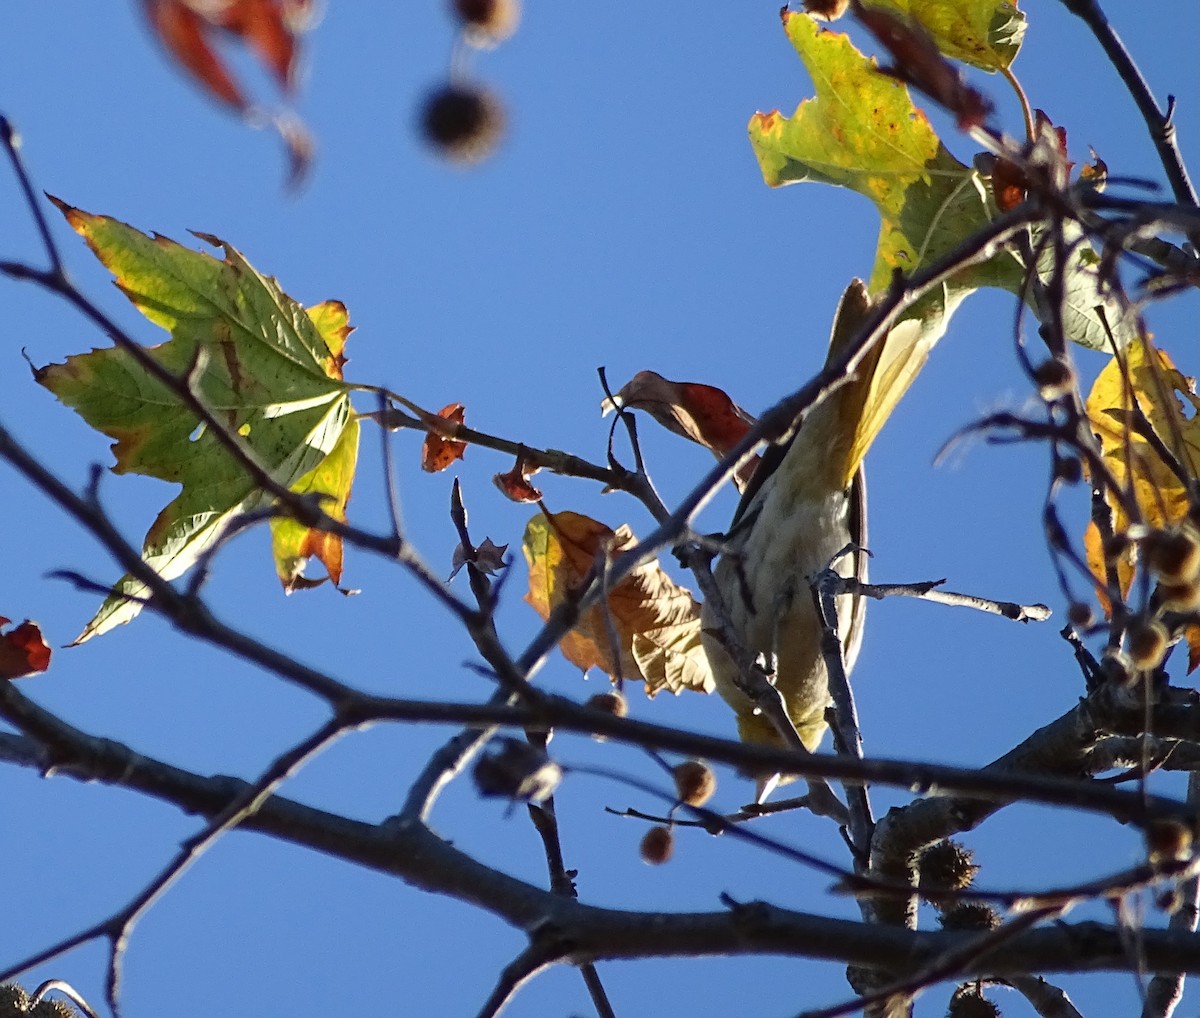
pixel 515 483
pixel 656 622
pixel 23 650
pixel 701 413
pixel 438 452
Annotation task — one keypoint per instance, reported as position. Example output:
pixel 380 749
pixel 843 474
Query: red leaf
pixel 702 413
pixel 269 27
pixel 515 484
pixel 437 452
pixel 23 651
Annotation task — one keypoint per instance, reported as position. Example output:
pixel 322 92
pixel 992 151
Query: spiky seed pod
pixel 14 1003
pixel 1174 554
pixel 658 845
pixel 968 1002
pixel 1146 643
pixel 947 866
pixel 463 122
pixel 1054 379
pixel 695 782
pixel 487 22
pixel 970 915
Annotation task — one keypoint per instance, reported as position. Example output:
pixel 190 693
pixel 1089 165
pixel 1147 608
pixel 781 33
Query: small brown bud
pixel 463 122
pixel 695 782
pixel 1054 379
pixel 658 845
pixel 1146 643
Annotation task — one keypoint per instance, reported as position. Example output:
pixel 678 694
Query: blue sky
pixel 623 223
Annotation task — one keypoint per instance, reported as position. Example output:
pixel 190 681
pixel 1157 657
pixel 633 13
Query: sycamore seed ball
pixel 612 702
pixel 970 915
pixel 1180 597
pixel 658 845
pixel 462 122
pixel 1054 379
pixel 695 783
pixel 1173 555
pixel 972 1004
pixel 1146 642
pixel 487 22
pixel 1168 841
pixel 1080 614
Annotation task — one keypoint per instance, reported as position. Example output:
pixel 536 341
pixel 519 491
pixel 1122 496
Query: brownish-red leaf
pixel 702 413
pixel 268 27
pixel 23 651
pixel 438 452
pixel 515 483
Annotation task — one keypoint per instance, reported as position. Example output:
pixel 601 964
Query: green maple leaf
pixel 984 33
pixel 862 131
pixel 269 371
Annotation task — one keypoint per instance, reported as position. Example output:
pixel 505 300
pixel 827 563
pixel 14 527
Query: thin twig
pixel 1158 123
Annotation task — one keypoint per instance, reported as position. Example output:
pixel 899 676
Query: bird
pixel 805 509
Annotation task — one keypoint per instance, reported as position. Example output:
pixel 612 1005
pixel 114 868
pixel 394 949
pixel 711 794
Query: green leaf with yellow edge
pixel 293 543
pixel 863 132
pixel 268 370
pixel 1168 400
pixel 984 33
pixel 654 622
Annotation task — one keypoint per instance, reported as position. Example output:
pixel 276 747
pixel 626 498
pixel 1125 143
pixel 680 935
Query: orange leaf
pixel 702 413
pixel 650 628
pixel 515 484
pixel 23 651
pixel 269 27
pixel 438 453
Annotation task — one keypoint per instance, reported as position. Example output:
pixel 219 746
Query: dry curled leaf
pixel 439 452
pixel 702 413
pixel 23 650
pixel 655 623
pixel 515 483
pixel 488 558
